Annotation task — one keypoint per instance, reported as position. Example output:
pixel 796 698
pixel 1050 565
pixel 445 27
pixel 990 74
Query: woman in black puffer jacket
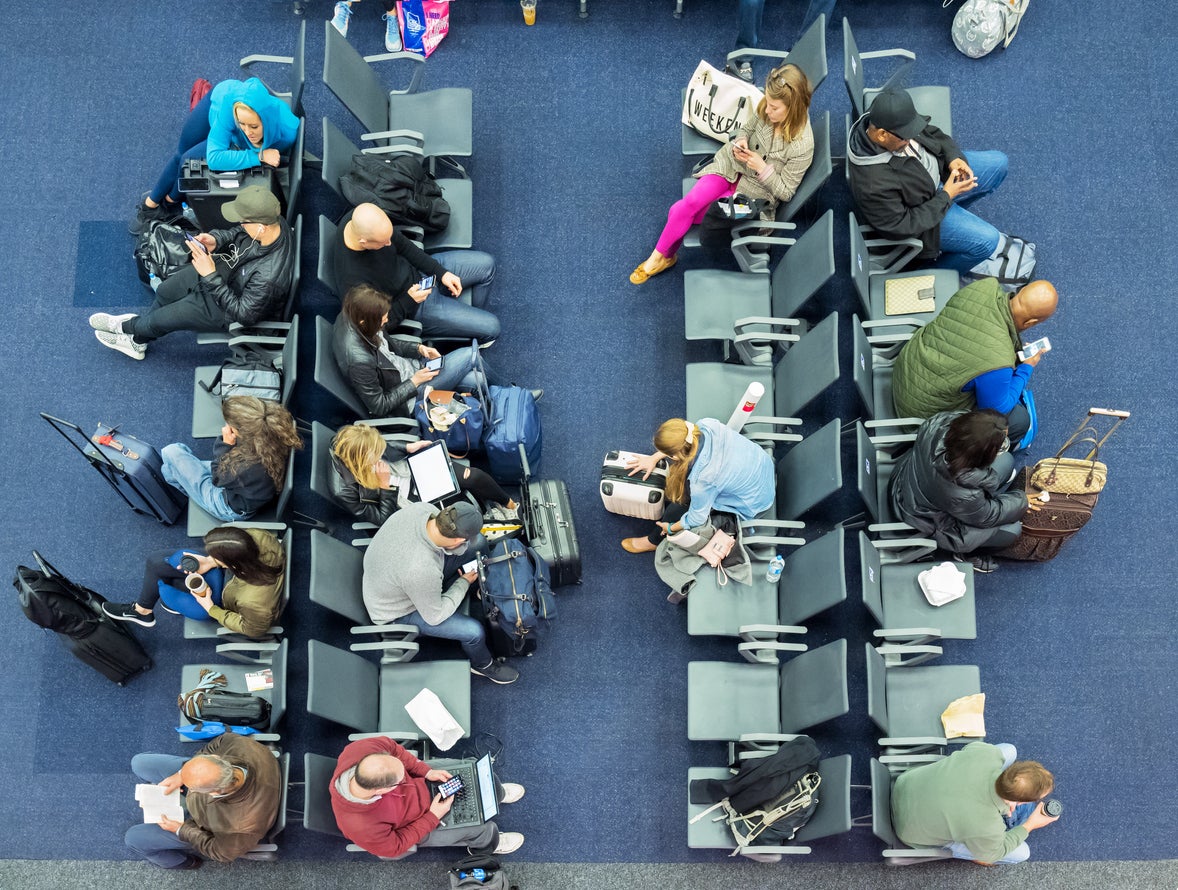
pixel 952 485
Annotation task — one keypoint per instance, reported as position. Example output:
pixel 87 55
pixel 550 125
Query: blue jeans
pixel 157 846
pixel 458 371
pixel 966 239
pixel 463 629
pixel 1022 812
pixel 193 135
pixel 442 315
pixel 184 470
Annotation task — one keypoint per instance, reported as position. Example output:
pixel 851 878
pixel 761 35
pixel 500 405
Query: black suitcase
pixel 547 516
pixel 130 466
pixel 84 629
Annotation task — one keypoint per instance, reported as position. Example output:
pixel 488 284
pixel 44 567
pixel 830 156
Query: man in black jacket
pixel 243 274
pixel 911 180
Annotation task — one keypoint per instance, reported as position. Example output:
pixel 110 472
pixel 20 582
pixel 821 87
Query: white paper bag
pixel 434 720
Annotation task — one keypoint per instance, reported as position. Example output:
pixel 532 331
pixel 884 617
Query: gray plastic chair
pixel 338 151
pixel 831 817
pixel 809 54
pixel 439 121
pixel 723 305
pixel 874 463
pixel 881 818
pixel 325 268
pixel 211 630
pixel 207 419
pixel 932 101
pixel 297 74
pixel 872 357
pixel 199 521
pixel 317 812
pixel 371 698
pixel 871 287
pixel 327 372
pixel 892 594
pixel 810 472
pixel 905 699
pixel 727 700
pixel 812 581
pixel 806 370
pixel 250 658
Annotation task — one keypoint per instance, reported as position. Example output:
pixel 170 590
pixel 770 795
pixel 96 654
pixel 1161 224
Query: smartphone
pixel 201 247
pixel 435 364
pixel 1033 348
pixel 470 567
pixel 450 787
pixel 426 283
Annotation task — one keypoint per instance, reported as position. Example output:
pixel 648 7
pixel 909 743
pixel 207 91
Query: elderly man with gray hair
pixel 233 786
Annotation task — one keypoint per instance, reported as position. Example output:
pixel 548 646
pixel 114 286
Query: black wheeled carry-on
pixel 132 468
pixel 50 600
pixel 547 515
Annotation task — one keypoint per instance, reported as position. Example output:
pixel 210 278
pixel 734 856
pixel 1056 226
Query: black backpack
pixel 770 798
pixel 52 601
pixel 161 249
pixel 401 186
pixel 208 702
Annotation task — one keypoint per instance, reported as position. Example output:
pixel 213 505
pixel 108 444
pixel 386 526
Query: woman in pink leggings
pixel 766 160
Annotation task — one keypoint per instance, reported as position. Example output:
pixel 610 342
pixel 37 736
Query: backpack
pixel 53 602
pixel 160 249
pixel 980 24
pixel 208 703
pixel 770 798
pixel 401 186
pixel 1012 263
pixel 246 375
pixel 515 590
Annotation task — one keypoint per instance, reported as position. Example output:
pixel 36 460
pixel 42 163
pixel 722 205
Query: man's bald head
pixel 209 774
pixel 379 772
pixel 1035 302
pixel 371 226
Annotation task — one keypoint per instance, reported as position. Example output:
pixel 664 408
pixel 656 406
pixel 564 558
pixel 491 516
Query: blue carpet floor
pixel 576 159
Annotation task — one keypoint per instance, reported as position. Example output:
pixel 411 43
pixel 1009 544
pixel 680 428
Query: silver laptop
pixel 433 474
pixel 477 802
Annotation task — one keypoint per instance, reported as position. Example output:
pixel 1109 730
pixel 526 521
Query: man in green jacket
pixel 979 803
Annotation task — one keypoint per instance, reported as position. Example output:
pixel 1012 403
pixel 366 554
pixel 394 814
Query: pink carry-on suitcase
pixel 632 495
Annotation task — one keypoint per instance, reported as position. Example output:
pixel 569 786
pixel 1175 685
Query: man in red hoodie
pixel 382 802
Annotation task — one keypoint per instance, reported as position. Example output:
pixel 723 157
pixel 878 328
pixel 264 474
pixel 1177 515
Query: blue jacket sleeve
pixel 1001 388
pixel 703 495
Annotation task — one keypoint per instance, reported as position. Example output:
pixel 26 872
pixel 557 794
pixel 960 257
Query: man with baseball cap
pixel 911 180
pixel 413 575
pixel 241 274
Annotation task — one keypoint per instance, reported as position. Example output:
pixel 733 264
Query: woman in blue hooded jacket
pixel 236 126
pixel 710 468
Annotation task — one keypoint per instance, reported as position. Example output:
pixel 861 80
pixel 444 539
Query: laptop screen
pixel 490 799
pixel 433 474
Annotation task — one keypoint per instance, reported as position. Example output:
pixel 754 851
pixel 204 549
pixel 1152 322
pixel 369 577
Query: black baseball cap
pixel 892 110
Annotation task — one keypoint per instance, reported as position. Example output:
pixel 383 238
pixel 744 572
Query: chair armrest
pixel 930 741
pixel 925 545
pixel 749 632
pixel 758 850
pixel 396 736
pixel 391 651
pixel 761 652
pixel 416 135
pixel 266 737
pixel 773 539
pixel 741 323
pixel 773 437
pixel 746 240
pixel 274 631
pixel 760 224
pixel 889 53
pixel 407 423
pixel 896 422
pixel 408 631
pixel 913 636
pixel 256 340
pixel 772 523
pixel 393 149
pixel 773 421
pixel 765 335
pixel 758 54
pixel 257 57
pixel 263 652
pixel 894 654
pixel 890 527
pixel 238 328
pixel 918 852
pixel 908 760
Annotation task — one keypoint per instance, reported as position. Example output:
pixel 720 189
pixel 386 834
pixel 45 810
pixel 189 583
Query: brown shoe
pixel 637 545
pixel 641 276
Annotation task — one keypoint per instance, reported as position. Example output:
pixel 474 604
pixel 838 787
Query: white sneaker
pixel 122 343
pixel 341 15
pixel 512 792
pixel 104 321
pixel 509 842
pixel 392 33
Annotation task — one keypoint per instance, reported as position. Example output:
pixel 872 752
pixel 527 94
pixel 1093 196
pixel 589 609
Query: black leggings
pixel 157 569
pixel 485 489
pixel 672 513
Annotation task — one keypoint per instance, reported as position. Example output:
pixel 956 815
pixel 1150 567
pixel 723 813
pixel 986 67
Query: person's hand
pixel 271 157
pixel 960 165
pixel 428 352
pixel 207 240
pixel 228 435
pixel 204 599
pixel 172 783
pixel 202 261
pixel 453 284
pixel 740 143
pixel 642 463
pixel 417 294
pixel 414 447
pixel 1038 819
pixel 1034 359
pixel 438 775
pixel 424 375
pixel 169 825
pixel 383 474
pixel 203 563
pixel 750 159
pixel 441 805
pixel 471 577
pixel 959 183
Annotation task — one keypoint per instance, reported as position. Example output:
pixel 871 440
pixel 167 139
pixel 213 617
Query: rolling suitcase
pixel 547 516
pixel 130 466
pixel 74 613
pixel 513 422
pixel 1072 487
pixel 629 495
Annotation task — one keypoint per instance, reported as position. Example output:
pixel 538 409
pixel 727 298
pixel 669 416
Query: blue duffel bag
pixel 516 594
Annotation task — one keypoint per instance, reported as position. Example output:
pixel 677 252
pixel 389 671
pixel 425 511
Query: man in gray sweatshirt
pixel 413 575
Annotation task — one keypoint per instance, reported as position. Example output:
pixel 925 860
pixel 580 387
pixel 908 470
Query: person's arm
pixel 1001 388
pixel 884 210
pixel 437 608
pixel 367 383
pixel 783 170
pixel 942 145
pixel 703 496
pixel 391 841
pixel 221 154
pixel 222 847
pixel 418 258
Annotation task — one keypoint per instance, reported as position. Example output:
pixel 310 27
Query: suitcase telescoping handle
pixel 71 432
pixel 1121 417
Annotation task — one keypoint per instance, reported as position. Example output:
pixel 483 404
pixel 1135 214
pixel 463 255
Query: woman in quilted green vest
pixel 952 486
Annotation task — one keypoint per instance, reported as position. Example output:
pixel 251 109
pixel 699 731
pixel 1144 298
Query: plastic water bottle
pixel 153 281
pixel 776 564
pixel 189 214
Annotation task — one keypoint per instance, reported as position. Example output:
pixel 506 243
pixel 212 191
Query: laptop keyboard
pixel 466 807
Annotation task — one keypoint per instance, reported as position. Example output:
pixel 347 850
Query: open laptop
pixel 478 801
pixel 433 474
